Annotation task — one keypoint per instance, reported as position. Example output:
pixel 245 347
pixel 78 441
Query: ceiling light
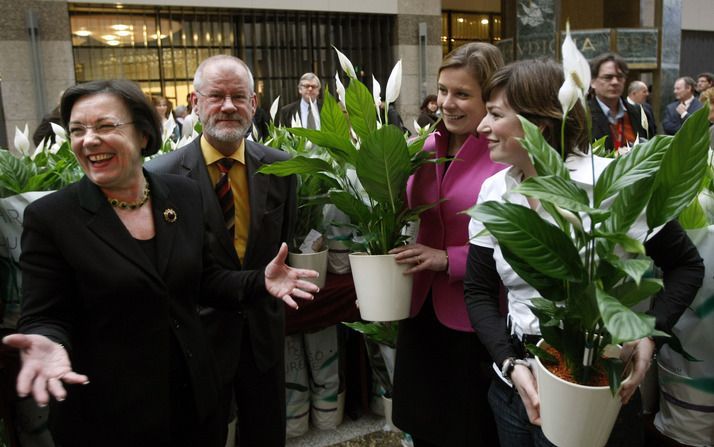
pixel 113 42
pixel 460 19
pixel 83 32
pixel 119 27
pixel 123 33
pixel 109 37
pixel 484 21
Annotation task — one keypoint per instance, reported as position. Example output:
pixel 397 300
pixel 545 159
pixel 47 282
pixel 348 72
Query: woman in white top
pixel 530 89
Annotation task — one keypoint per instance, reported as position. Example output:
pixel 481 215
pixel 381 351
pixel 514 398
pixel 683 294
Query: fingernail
pixel 86 383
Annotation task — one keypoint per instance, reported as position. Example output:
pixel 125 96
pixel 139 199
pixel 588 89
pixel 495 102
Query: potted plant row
pixel 367 164
pixel 573 258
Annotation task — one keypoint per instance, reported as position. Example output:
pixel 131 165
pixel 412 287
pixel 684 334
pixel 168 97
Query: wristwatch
pixel 509 364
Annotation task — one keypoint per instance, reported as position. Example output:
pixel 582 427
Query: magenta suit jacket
pixel 443 226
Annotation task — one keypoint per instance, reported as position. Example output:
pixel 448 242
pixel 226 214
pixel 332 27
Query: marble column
pixel 19 101
pixel 406 47
pixel 668 18
pixel 537 25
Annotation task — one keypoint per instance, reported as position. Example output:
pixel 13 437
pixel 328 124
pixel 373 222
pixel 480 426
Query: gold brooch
pixel 170 215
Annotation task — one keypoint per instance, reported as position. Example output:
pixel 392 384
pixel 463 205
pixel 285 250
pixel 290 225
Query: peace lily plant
pixel 367 162
pixel 574 258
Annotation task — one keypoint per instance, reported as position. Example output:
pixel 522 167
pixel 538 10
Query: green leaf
pixel 546 159
pixel 542 354
pixel 361 109
pixel 622 323
pixel 340 148
pixel 355 209
pixel 628 205
pixel 300 165
pixel 332 118
pixel 631 293
pixel 693 216
pixel 641 162
pixel 630 245
pixel 522 231
pixel 615 369
pixel 383 166
pixel 683 167
pixel 634 268
pixel 557 190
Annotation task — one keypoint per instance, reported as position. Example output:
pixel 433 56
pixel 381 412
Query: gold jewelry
pixel 134 205
pixel 170 215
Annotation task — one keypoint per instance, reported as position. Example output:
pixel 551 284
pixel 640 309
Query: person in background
pixel 164 108
pixel 680 109
pixel 441 375
pixel 530 89
pixel 113 267
pixel 707 96
pixel 637 93
pixel 427 111
pixel 180 113
pixel 44 129
pixel 704 81
pixel 246 226
pixel 611 116
pixel 305 110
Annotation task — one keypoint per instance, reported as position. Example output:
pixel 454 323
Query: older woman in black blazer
pixel 113 269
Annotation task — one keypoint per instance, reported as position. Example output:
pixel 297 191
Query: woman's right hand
pixel 45 367
pixel 525 383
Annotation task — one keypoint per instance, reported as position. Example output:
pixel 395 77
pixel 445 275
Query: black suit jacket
pixel 272 218
pixel 672 121
pixel 286 113
pixel 88 285
pixel 601 126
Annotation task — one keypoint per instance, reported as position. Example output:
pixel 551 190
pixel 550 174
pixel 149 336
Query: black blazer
pixel 286 113
pixel 89 285
pixel 672 121
pixel 272 218
pixel 601 126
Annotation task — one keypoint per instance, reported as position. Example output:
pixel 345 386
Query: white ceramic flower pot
pixel 574 415
pixel 387 401
pixel 314 261
pixel 383 291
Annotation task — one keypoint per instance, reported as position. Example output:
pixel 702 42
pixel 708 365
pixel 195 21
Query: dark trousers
pixel 260 396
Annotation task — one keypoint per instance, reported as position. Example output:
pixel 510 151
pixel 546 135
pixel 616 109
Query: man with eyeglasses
pixel 680 109
pixel 248 216
pixel 304 112
pixel 620 121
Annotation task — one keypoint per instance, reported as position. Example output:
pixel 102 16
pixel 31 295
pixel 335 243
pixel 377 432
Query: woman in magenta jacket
pixel 441 378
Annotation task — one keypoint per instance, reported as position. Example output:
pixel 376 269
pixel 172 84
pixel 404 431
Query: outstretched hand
pixel 285 282
pixel 45 367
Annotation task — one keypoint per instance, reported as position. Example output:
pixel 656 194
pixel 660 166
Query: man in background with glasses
pixel 304 112
pixel 248 216
pixel 611 116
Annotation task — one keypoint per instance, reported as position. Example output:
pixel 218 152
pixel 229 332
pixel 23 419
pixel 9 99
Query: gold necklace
pixel 134 205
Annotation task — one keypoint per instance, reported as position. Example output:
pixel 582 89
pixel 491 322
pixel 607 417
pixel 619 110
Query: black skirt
pixel 441 383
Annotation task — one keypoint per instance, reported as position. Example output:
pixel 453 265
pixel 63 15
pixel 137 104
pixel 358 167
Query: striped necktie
pixel 225 195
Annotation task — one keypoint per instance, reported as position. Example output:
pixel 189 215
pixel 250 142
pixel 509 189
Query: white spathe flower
pixel 394 83
pixel 346 64
pixel 21 143
pixel 568 95
pixel 60 133
pixel 340 90
pixel 296 122
pixel 274 108
pixel 575 66
pixel 376 92
pixel 188 129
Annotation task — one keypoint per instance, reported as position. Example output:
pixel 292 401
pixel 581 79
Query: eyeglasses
pixel 219 98
pixel 610 77
pixel 312 86
pixel 77 130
